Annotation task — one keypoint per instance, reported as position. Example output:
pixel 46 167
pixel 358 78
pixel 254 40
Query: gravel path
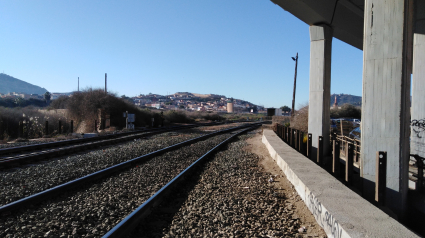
pixel 230 197
pixel 21 182
pixel 94 209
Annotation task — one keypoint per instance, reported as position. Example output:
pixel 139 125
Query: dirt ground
pixel 269 165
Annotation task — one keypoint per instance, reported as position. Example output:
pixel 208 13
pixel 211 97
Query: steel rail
pixel 70 149
pixel 131 221
pixel 82 140
pixel 103 173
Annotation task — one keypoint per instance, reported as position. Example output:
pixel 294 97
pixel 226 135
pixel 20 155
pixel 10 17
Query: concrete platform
pixel 340 211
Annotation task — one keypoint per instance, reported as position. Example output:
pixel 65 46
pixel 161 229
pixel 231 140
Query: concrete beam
pixel 344 16
pixel 320 85
pixel 386 97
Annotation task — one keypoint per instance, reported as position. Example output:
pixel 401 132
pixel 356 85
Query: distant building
pixel 230 106
pixel 335 106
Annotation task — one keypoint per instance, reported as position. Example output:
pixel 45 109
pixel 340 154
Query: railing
pixel 344 142
pixel 297 139
pixel 420 174
pixel 344 148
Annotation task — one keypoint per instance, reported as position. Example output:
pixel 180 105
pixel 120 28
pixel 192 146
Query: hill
pixel 346 98
pixel 10 84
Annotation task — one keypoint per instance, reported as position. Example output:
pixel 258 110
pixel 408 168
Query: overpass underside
pixel 392 36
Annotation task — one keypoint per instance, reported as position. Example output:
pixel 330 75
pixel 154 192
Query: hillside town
pixel 178 101
pixel 196 102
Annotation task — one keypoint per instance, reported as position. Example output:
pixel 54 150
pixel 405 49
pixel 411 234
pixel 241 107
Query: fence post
pixel 60 127
pixel 420 164
pixel 309 141
pixel 46 128
pixel 320 151
pixel 349 164
pixel 335 159
pixel 21 129
pixel 290 136
pixel 300 141
pixel 280 131
pixel 72 126
pixel 380 177
pixel 295 139
pixel 286 134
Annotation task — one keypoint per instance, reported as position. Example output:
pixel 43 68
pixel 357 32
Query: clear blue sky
pixel 238 48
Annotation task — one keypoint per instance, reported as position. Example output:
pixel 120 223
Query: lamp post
pixel 295 84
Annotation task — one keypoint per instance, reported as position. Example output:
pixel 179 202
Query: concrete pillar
pixel 386 98
pixel 320 86
pixel 417 135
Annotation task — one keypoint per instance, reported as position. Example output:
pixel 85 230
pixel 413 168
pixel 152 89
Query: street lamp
pixel 295 84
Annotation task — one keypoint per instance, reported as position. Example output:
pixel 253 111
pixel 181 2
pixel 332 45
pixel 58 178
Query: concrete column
pixel 417 135
pixel 386 98
pixel 417 142
pixel 320 85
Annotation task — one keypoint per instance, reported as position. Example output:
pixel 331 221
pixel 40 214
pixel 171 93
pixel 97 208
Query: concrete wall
pixel 320 85
pixel 341 212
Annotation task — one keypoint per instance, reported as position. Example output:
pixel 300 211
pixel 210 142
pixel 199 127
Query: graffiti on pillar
pixel 418 126
pixel 323 217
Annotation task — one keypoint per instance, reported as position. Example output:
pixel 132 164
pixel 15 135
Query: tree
pixel 285 108
pixel 47 97
pixel 19 101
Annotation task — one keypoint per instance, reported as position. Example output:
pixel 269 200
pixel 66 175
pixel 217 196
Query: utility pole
pixel 78 84
pixel 295 84
pixel 106 91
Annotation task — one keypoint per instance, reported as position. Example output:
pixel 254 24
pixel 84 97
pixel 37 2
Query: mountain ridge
pixel 346 98
pixel 10 84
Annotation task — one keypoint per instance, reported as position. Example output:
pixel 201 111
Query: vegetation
pixel 243 116
pixel 33 121
pixel 347 111
pixel 285 108
pixel 20 102
pixel 300 119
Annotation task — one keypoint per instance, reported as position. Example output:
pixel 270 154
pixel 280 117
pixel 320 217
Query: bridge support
pixel 320 86
pixel 386 94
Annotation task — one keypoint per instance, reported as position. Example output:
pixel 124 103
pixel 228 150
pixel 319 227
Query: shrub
pixel 33 122
pixel 85 105
pixel 59 103
pixel 177 117
pixel 300 119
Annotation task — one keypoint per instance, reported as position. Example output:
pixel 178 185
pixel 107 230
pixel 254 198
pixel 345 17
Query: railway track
pixel 15 156
pixel 58 199
pixel 127 225
pixel 20 182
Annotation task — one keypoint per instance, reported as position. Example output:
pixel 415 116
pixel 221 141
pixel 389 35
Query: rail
pixel 46 194
pixel 131 221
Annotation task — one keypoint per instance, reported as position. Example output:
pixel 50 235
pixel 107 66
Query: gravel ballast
pixel 94 209
pixel 24 181
pixel 230 197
